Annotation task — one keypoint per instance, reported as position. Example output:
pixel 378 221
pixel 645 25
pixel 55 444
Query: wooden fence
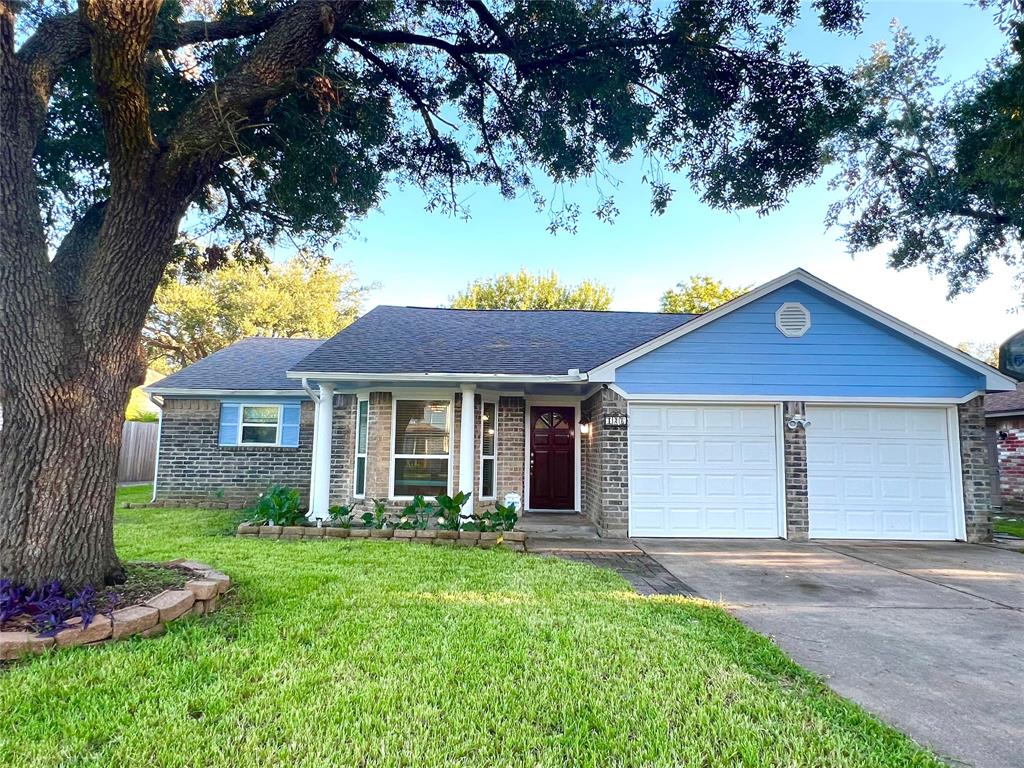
pixel 138 452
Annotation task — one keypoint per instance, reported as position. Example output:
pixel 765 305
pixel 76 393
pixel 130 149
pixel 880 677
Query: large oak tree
pixel 122 121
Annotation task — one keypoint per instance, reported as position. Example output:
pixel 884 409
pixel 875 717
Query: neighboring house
pixel 1004 416
pixel 794 411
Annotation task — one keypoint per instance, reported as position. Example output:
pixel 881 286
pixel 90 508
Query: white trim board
pixel 818 399
pixel 994 380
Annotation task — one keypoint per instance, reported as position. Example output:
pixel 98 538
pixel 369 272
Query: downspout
pixel 159 403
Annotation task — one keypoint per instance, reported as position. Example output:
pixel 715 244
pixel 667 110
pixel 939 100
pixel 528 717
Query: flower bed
pixel 514 540
pixel 199 595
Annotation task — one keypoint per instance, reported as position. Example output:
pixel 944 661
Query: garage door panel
pixel 683 451
pixel 719 471
pixel 879 472
pixel 647 451
pixel 680 485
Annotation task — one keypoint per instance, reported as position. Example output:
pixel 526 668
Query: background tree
pixel 699 294
pixel 936 173
pixel 524 290
pixel 303 297
pixel 280 118
pixel 986 351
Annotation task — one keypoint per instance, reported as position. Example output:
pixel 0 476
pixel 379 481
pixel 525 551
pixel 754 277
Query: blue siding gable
pixel 843 354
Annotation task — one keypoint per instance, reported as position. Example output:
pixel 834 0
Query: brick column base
pixel 794 446
pixel 977 469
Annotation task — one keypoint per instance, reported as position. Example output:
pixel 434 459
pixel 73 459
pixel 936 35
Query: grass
pixel 1011 525
pixel 379 653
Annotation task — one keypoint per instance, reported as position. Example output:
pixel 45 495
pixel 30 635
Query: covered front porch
pixel 527 442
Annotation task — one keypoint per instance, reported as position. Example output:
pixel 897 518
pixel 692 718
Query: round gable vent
pixel 793 319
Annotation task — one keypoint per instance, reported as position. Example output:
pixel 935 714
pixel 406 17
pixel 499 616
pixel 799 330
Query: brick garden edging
pixel 513 540
pixel 146 619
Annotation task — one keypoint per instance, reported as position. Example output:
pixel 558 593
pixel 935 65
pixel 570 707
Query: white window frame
pixel 360 399
pixel 420 397
pixel 494 447
pixel 242 423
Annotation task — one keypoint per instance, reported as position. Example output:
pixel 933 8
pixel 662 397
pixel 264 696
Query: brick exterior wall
pixel 510 469
pixel 343 449
pixel 794 446
pixel 605 465
pixel 977 469
pixel 378 446
pixel 194 469
pixel 1010 455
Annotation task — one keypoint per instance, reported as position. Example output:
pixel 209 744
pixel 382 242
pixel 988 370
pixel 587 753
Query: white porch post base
pixel 319 503
pixel 466 448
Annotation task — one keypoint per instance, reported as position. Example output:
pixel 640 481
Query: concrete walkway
pixel 930 637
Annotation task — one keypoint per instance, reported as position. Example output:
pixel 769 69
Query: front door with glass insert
pixel 552 457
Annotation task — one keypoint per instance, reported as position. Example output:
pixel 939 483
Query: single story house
pixel 793 411
pixel 1004 415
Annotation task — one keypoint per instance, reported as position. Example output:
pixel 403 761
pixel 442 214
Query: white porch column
pixel 467 450
pixel 319 502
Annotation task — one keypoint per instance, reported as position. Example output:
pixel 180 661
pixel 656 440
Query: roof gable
pixel 990 378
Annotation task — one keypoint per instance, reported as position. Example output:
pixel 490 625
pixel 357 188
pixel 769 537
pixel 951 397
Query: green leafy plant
pixel 416 515
pixel 501 518
pixel 450 516
pixel 379 517
pixel 278 505
pixel 342 515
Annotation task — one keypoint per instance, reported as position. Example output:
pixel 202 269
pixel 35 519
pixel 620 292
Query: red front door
pixel 552 457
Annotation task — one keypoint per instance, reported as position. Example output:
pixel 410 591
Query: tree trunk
pixel 58 458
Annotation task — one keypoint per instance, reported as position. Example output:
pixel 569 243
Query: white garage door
pixel 703 471
pixel 879 473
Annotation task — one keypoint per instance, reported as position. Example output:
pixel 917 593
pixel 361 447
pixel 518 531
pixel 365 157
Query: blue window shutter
pixel 290 425
pixel 228 424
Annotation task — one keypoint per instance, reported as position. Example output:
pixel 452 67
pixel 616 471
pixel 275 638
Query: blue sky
pixel 423 258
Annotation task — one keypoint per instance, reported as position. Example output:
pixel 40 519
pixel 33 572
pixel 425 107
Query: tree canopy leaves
pixel 524 290
pixel 489 94
pixel 699 294
pixel 302 298
pixel 935 173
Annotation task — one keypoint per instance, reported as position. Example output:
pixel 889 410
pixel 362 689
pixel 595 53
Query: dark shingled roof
pixel 256 363
pixel 1006 402
pixel 536 342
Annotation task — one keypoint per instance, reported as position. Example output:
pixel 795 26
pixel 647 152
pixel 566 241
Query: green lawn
pixel 1011 525
pixel 386 653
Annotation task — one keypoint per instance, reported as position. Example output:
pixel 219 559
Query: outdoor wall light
pixel 798 420
pixel 584 427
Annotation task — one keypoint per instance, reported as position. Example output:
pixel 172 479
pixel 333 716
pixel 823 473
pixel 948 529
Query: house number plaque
pixel 615 420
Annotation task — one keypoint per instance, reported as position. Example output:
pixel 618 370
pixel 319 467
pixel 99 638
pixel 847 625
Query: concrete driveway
pixel 929 637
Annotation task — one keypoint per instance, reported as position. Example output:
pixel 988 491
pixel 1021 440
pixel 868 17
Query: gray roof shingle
pixel 254 363
pixel 1006 402
pixel 392 339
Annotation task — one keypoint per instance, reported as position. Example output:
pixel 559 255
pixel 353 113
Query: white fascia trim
pixel 182 392
pixel 445 377
pixel 656 398
pixel 994 380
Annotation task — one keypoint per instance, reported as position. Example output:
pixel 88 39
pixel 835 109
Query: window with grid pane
pixel 421 447
pixel 488 450
pixel 362 419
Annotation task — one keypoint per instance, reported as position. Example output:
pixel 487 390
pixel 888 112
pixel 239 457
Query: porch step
pixel 557 525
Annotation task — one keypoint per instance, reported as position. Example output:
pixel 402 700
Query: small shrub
pixel 450 516
pixel 416 515
pixel 379 518
pixel 342 515
pixel 278 505
pixel 501 518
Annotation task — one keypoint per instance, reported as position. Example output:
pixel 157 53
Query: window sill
pixel 258 448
